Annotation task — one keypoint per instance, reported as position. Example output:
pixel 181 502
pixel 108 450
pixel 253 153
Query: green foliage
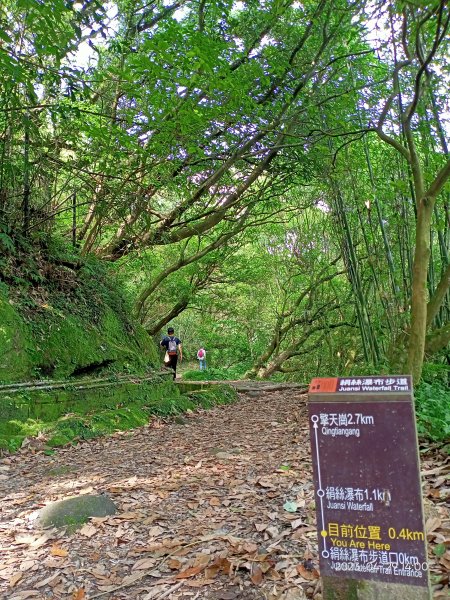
pixel 220 161
pixel 214 374
pixel 119 408
pixel 432 398
pixel 214 395
pixel 62 314
pixel 432 402
pixel 169 406
pixel 70 428
pixel 6 243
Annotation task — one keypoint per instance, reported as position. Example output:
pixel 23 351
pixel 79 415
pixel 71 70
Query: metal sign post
pixel 367 488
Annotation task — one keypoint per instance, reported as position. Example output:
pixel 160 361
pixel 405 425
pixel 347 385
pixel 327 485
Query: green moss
pixel 76 511
pixel 213 374
pixel 214 395
pixel 341 589
pixel 102 411
pixel 70 344
pixel 59 439
pixel 75 428
pixel 86 328
pixel 29 428
pixel 15 364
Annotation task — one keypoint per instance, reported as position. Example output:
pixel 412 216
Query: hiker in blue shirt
pixel 173 348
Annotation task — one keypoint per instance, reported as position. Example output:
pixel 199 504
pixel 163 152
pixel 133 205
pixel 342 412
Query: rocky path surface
pixel 201 510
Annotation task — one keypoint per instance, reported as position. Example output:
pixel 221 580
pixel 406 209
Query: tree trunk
pixel 179 307
pixel 274 365
pixel 438 297
pixel 419 298
pixel 26 176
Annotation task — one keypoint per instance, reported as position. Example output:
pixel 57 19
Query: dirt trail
pixel 200 510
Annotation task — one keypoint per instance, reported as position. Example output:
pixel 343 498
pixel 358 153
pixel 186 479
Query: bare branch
pixel 410 111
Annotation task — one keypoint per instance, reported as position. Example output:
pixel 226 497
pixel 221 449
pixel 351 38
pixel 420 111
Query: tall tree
pixel 418 46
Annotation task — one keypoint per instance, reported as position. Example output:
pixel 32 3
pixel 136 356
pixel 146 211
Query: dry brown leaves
pixel 200 511
pixel 436 472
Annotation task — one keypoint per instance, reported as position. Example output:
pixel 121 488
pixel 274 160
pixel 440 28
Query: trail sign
pixel 367 487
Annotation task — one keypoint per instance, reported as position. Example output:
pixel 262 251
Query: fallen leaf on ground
pixel 198 583
pixel 28 565
pixel 144 563
pixel 310 575
pixel 47 580
pixel 56 551
pixel 191 572
pixel 15 579
pixel 88 530
pixel 432 524
pixel 24 594
pixel 257 575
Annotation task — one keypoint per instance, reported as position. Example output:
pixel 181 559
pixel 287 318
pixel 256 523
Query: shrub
pixel 213 374
pixel 432 404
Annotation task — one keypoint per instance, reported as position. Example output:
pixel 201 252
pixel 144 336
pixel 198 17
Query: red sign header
pixel 389 383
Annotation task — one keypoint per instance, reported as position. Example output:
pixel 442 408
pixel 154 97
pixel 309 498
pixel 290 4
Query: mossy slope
pixel 71 326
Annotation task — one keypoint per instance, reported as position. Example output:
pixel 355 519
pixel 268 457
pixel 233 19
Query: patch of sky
pixel 181 13
pixel 85 56
pixel 237 8
pixel 267 40
pixel 239 43
pixel 323 206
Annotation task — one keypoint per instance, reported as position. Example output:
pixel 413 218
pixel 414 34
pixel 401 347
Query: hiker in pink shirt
pixel 201 356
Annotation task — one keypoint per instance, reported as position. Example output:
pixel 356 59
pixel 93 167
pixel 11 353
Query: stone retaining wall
pixel 46 401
